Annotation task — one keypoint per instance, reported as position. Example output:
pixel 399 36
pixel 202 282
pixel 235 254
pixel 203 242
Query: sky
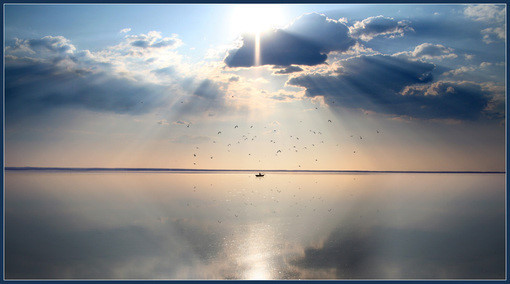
pixel 249 86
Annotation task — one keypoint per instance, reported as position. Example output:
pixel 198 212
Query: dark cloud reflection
pixel 473 248
pixel 135 251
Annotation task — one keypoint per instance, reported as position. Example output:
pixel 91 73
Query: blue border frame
pixel 2 120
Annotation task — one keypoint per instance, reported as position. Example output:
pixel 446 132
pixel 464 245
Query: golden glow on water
pixel 259 252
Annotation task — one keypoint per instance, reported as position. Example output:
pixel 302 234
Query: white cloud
pixel 125 31
pixel 486 12
pixel 433 51
pixel 491 35
pixel 459 71
pixel 379 26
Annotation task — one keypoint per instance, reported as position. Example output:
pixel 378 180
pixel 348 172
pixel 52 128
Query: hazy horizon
pixel 240 170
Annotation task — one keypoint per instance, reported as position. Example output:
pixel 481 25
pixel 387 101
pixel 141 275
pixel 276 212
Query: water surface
pixel 153 225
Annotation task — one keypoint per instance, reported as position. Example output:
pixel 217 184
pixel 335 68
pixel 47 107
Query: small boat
pixel 259 175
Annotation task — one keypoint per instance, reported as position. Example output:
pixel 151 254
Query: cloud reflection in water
pixel 233 226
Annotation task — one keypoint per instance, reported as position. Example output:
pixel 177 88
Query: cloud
pixel 491 35
pixel 163 122
pixel 443 99
pixel 153 39
pixel 379 26
pixel 367 253
pixel 460 70
pixel 283 97
pixel 119 251
pixel 396 86
pixel 54 44
pixel 486 13
pixel 346 251
pixel 433 51
pixel 40 86
pixel 47 73
pixel 181 122
pixel 307 41
pixel 165 71
pixel 289 70
pixel 125 31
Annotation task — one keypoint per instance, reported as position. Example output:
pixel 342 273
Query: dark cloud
pixel 457 100
pixel 233 79
pixel 289 70
pixel 56 44
pixel 34 86
pixel 53 76
pixel 379 26
pixel 307 41
pixel 396 86
pixel 58 252
pixel 345 250
pixel 459 251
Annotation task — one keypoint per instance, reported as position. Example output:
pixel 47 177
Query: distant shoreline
pixel 234 171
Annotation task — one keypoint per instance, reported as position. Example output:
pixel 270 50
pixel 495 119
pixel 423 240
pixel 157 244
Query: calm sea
pixel 153 225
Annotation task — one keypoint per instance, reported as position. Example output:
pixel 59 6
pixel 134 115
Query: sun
pixel 256 18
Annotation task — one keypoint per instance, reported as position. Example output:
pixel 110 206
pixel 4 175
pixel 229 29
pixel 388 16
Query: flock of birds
pixel 280 147
pixel 263 196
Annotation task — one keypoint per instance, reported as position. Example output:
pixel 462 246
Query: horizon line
pixel 91 169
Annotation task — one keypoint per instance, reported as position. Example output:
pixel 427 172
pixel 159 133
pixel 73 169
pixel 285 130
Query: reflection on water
pixel 236 226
